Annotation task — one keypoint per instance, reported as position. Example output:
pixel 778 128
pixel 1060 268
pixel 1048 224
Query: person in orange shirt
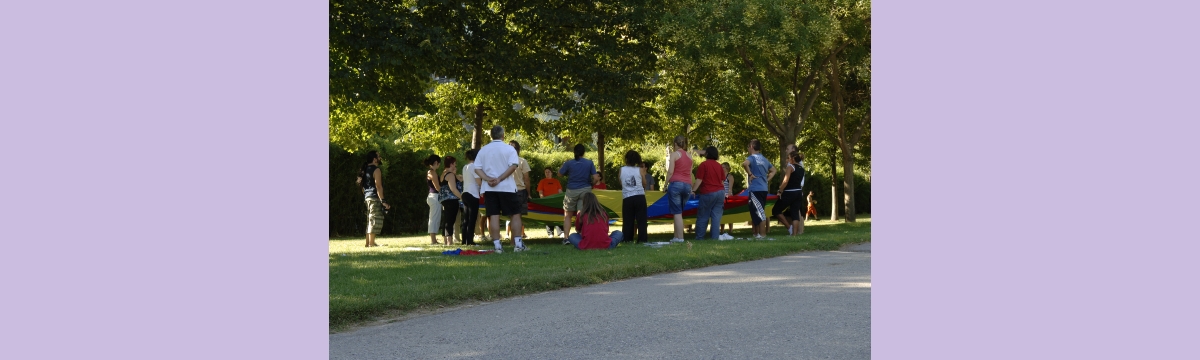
pixel 546 187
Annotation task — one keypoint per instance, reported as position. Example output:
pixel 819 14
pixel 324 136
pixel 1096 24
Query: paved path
pixel 814 305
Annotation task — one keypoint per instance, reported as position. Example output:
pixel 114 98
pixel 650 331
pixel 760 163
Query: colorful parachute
pixel 549 210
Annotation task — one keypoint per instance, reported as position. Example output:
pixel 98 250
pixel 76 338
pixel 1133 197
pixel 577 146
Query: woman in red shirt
pixel 591 226
pixel 710 187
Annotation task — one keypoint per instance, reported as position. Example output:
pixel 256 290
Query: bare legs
pixel 679 226
pixel 494 225
pixel 484 220
pixel 566 229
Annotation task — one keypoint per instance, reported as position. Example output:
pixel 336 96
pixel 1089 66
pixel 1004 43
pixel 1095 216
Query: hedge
pixel 404 186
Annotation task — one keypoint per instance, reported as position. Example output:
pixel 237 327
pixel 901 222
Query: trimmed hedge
pixel 402 172
pixel 404 186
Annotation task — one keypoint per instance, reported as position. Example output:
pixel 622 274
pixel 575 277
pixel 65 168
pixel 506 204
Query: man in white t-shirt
pixel 496 164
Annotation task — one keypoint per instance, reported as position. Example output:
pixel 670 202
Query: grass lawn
pixel 406 274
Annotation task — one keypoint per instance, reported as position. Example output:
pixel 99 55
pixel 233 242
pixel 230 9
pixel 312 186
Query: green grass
pixel 390 280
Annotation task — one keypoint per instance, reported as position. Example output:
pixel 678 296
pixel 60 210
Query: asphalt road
pixel 814 305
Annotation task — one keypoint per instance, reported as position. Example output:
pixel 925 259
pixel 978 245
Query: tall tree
pixel 849 75
pixel 852 113
pixel 778 48
pixel 606 59
pixel 392 52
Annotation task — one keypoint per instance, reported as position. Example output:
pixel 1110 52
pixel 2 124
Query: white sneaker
pixel 521 248
pixel 499 251
pixel 789 230
pixel 677 240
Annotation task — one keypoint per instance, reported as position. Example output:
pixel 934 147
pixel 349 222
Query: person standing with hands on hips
pixel 759 172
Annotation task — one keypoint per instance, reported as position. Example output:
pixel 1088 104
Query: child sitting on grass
pixel 591 226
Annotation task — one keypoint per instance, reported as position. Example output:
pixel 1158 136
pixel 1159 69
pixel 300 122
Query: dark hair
pixel 497 132
pixel 755 145
pixel 711 153
pixel 449 160
pixel 515 145
pixel 797 156
pixel 647 163
pixel 371 156
pixel 549 169
pixel 471 154
pixel 632 158
pixel 432 159
pixel 579 149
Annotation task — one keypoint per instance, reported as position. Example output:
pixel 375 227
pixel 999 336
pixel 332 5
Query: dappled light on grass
pixel 365 283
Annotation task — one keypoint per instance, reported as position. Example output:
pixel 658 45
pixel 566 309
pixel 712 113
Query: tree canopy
pixel 438 74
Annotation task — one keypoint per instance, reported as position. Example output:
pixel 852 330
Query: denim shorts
pixel 677 194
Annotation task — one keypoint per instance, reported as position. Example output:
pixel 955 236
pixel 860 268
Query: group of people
pixel 497 177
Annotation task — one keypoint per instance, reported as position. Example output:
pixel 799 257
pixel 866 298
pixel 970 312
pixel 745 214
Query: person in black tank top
pixel 787 208
pixel 370 179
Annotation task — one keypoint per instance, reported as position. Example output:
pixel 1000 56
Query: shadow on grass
pixel 367 283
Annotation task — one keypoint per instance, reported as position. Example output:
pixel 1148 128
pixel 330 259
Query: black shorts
pixel 789 203
pixel 501 203
pixel 758 203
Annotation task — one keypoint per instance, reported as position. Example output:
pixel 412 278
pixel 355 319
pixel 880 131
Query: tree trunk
pixel 783 143
pixel 600 151
pixel 848 183
pixel 833 208
pixel 600 142
pixel 477 135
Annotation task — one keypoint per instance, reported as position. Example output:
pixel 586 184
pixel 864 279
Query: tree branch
pixel 862 126
pixel 763 101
